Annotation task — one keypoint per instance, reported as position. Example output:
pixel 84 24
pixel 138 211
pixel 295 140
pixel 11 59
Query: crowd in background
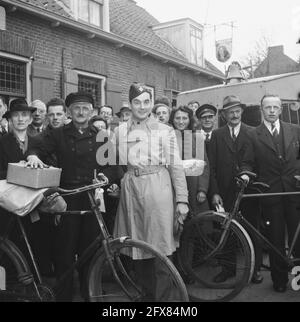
pixel 63 134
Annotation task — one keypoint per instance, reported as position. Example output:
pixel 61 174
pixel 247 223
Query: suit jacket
pixel 225 162
pixel 31 130
pixel 261 157
pixel 10 151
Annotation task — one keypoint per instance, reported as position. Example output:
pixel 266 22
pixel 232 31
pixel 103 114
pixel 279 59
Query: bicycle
pixel 214 240
pixel 111 275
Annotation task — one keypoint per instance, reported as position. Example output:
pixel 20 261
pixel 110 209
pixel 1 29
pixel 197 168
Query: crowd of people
pixel 153 144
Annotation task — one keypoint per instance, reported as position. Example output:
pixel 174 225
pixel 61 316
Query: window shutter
pixel 70 82
pixel 42 82
pixel 113 95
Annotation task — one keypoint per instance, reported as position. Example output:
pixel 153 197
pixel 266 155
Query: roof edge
pixel 108 36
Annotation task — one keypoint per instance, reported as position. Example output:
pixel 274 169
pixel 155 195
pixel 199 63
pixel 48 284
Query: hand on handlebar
pixel 245 178
pixel 217 201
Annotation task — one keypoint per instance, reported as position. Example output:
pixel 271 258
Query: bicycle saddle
pixel 250 174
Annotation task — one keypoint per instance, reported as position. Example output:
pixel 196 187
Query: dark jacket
pixel 261 157
pixel 76 155
pixel 225 159
pixel 10 151
pixel 31 130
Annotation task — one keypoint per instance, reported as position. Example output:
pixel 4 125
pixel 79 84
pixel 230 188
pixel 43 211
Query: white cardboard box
pixel 18 174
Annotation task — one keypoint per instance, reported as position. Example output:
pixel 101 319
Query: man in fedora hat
pixel 75 146
pixel 226 153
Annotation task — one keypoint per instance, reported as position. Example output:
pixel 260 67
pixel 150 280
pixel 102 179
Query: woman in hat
pixel 13 149
pixel 191 145
pixel 14 145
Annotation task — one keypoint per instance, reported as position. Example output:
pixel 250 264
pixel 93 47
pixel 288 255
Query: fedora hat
pixel 18 105
pixel 232 101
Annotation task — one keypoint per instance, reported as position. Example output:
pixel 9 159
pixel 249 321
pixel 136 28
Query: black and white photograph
pixel 149 153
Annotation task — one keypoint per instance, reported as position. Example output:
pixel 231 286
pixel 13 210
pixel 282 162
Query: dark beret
pixel 206 108
pixel 136 90
pixel 79 97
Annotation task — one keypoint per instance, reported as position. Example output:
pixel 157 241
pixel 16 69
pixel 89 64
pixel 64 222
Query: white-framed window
pixel 196 46
pixel 151 90
pixel 15 76
pixel 94 84
pixel 90 11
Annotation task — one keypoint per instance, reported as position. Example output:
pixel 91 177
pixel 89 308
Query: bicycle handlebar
pixel 102 180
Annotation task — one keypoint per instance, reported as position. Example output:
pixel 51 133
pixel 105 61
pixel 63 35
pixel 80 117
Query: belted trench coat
pixel 146 209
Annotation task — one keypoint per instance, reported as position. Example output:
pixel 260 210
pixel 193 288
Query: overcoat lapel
pixel 227 138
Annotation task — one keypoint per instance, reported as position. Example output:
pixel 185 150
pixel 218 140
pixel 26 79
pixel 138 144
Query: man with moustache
pixel 226 152
pixel 75 147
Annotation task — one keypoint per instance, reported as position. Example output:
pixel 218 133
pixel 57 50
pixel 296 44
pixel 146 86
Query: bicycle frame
pixel 237 215
pixel 102 241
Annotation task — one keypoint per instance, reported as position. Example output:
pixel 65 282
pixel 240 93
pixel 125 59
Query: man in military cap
pixel 146 210
pixel 75 147
pixel 206 115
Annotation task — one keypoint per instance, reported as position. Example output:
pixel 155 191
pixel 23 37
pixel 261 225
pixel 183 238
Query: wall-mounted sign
pixel 223 50
pixel 2 18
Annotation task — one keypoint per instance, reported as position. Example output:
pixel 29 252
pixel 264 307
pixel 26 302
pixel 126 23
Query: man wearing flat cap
pixel 146 210
pixel 75 147
pixel 226 152
pixel 206 115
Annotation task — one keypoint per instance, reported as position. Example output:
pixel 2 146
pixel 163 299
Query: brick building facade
pixel 45 53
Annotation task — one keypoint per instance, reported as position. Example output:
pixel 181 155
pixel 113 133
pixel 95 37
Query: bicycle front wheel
pixel 15 274
pixel 152 278
pixel 218 276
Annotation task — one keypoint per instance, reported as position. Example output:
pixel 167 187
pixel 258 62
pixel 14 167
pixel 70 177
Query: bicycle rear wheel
pixel 18 278
pixel 200 237
pixel 134 280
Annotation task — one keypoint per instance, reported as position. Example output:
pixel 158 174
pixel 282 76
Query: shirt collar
pixel 269 126
pixel 205 133
pixel 236 129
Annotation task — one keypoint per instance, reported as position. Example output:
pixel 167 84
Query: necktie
pixel 207 137
pixel 274 130
pixel 233 135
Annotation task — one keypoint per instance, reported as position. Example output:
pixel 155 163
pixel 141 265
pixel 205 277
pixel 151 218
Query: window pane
pixel 12 77
pixel 83 12
pixel 91 85
pixel 95 13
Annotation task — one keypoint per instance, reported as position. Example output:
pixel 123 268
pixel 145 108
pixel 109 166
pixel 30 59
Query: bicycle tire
pixel 18 274
pixel 200 236
pixel 103 286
